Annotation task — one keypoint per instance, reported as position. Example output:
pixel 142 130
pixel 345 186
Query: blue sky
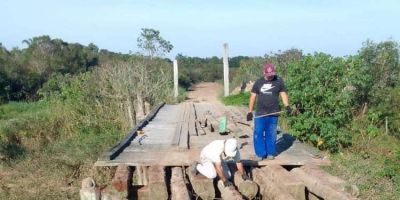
pixel 199 28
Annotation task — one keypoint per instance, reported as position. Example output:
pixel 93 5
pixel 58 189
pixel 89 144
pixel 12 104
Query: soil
pixel 205 92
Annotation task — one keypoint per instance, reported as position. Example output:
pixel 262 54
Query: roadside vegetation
pixel 348 106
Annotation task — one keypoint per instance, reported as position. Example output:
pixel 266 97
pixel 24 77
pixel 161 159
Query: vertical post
pixel 386 126
pixel 175 78
pixel 226 70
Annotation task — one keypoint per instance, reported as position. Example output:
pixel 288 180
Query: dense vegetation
pixel 341 102
pixel 65 103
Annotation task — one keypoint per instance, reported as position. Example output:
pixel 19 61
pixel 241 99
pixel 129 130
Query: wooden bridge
pixel 173 135
pixel 152 161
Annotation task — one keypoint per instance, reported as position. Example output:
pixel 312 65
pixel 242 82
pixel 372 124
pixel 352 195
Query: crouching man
pixel 213 161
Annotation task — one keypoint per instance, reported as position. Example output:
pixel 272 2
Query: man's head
pixel 230 148
pixel 269 71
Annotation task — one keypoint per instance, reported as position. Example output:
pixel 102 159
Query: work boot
pixel 270 157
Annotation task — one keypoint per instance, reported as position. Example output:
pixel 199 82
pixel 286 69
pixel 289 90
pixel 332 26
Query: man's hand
pixel 227 183
pixel 288 110
pixel 249 116
pixel 245 177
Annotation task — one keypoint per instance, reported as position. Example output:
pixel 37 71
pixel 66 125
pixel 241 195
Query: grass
pixel 37 161
pixel 373 164
pixel 241 99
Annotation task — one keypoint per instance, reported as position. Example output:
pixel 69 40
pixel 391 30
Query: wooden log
pixel 143 193
pixel 179 190
pixel 141 175
pixel 202 186
pixel 280 176
pixel 268 189
pixel 228 193
pixel 157 185
pixel 333 181
pixel 122 179
pixel 248 189
pixel 318 187
pixel 88 190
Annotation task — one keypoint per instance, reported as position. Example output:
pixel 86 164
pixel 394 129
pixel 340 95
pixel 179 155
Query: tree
pixel 151 42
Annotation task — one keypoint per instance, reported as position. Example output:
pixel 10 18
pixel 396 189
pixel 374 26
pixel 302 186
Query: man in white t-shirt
pixel 213 159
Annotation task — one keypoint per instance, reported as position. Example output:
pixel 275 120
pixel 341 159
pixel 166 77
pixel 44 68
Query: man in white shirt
pixel 213 159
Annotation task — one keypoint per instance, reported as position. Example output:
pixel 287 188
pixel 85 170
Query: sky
pixel 200 27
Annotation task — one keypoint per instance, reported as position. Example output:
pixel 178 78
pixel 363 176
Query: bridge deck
pixel 177 133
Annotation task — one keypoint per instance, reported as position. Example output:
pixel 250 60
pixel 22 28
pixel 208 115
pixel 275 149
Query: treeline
pixel 337 97
pixel 195 69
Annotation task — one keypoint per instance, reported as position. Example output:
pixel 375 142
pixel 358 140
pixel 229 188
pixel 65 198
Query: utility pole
pixel 226 70
pixel 175 78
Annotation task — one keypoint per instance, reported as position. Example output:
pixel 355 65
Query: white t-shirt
pixel 213 152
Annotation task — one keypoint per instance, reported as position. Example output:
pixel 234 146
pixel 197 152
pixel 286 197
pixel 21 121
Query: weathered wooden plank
pixel 268 189
pixel 192 121
pixel 333 181
pixel 280 176
pixel 202 186
pixel 179 190
pixel 117 149
pixel 184 136
pixel 157 185
pixel 248 188
pixel 318 187
pixel 177 134
pixel 228 193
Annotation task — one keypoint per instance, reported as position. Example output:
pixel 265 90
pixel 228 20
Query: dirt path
pixel 205 92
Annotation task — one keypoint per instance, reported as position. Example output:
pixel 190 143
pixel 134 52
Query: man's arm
pixel 240 168
pixel 285 98
pixel 251 101
pixel 220 172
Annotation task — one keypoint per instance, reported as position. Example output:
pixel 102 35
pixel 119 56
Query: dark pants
pixel 264 137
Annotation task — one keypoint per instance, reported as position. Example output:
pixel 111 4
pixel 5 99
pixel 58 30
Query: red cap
pixel 269 69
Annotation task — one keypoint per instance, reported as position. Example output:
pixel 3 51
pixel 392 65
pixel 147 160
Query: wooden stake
pixel 226 70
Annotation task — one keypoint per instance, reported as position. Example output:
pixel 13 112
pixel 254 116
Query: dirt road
pixel 206 92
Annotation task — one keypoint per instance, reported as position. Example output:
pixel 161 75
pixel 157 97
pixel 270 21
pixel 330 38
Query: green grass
pixel 373 164
pixel 45 155
pixel 241 99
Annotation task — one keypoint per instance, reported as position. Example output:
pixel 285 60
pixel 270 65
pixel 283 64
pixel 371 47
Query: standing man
pixel 213 159
pixel 265 93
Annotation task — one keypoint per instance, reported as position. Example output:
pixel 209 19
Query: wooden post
pixel 175 78
pixel 226 70
pixel 386 126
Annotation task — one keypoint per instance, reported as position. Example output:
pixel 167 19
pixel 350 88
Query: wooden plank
pixel 268 189
pixel 157 185
pixel 318 187
pixel 228 193
pixel 202 186
pixel 280 176
pixel 117 149
pixel 179 190
pixel 192 120
pixel 184 135
pixel 177 134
